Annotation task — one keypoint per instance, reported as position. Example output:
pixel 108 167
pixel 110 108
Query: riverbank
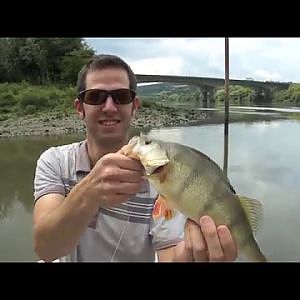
pixel 58 123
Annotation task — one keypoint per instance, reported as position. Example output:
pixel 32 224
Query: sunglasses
pixel 97 96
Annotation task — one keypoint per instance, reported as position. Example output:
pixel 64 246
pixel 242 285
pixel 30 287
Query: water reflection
pixel 262 164
pixel 17 160
pixel 18 157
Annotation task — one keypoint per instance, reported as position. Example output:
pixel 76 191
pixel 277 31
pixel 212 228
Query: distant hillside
pixel 164 87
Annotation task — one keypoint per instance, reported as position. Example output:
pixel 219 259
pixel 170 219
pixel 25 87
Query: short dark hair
pixel 104 61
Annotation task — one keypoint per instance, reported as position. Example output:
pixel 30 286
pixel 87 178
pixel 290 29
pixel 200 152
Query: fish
pixel 189 181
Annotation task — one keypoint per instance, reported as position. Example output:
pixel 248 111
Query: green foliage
pixel 147 103
pixel 291 95
pixel 282 96
pixel 237 95
pixel 7 99
pixel 72 63
pixel 30 109
pixel 42 60
pixel 4 60
pixel 3 116
pixel 294 90
pixel 220 95
pixel 28 99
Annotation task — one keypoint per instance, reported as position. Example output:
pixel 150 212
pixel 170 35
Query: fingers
pixel 227 243
pixel 188 244
pixel 121 161
pixel 122 175
pixel 131 176
pixel 117 167
pixel 125 150
pixel 211 237
pixel 115 178
pixel 220 243
pixel 195 243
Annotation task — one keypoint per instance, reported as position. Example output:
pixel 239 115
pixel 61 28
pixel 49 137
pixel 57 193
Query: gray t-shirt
pixel 126 232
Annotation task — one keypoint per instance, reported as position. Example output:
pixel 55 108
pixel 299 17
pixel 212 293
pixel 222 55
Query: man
pixel 91 201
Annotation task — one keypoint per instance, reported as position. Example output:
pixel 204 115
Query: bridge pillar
pixel 208 93
pixel 261 96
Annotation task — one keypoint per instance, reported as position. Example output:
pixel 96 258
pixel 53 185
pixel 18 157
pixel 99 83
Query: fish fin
pixel 161 208
pixel 254 211
pixel 169 213
pixel 157 209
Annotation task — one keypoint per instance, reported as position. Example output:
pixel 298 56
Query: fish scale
pixel 194 184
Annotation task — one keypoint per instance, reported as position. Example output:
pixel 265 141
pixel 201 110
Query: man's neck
pixel 96 150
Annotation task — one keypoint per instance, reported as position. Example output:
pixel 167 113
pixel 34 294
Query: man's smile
pixel 109 122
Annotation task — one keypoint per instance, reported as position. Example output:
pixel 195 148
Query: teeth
pixel 109 122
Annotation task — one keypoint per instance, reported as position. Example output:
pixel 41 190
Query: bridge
pixel 208 85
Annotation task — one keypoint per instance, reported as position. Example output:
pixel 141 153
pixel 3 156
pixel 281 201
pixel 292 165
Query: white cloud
pixel 158 65
pixel 259 58
pixel 266 75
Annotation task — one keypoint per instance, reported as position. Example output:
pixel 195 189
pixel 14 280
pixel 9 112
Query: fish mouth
pixel 155 169
pixel 158 170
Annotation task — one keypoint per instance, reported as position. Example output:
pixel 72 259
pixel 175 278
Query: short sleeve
pixel 166 233
pixel 47 175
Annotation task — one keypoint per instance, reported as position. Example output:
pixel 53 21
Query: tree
pixel 42 60
pixel 72 62
pixel 4 62
pixel 56 50
pixel 32 63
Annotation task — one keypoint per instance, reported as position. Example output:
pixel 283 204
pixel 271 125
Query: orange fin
pixel 157 208
pixel 161 208
pixel 169 213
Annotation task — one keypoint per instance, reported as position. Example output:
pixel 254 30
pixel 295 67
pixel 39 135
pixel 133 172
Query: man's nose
pixel 109 104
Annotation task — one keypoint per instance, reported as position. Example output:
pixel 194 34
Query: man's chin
pixel 111 139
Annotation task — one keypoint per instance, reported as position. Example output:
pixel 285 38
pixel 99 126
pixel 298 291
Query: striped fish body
pixel 192 183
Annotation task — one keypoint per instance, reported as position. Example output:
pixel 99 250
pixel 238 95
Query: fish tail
pixel 253 253
pixel 247 243
pixel 248 246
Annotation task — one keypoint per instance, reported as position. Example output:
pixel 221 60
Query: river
pixel 263 163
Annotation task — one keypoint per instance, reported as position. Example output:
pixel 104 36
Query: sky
pixel 276 59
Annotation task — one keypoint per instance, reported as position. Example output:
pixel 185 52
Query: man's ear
pixel 136 105
pixel 78 105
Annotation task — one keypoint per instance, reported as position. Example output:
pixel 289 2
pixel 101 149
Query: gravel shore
pixel 60 124
pixel 147 118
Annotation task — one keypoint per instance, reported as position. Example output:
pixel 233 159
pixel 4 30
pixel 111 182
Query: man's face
pixel 108 122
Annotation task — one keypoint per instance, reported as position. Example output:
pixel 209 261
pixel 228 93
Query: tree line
pixel 42 61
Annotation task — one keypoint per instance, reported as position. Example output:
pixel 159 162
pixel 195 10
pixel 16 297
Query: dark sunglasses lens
pixel 94 97
pixel 97 97
pixel 123 96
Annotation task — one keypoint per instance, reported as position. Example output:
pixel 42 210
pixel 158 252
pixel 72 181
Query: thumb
pixel 125 150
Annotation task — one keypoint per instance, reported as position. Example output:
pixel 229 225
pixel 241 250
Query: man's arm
pixel 202 242
pixel 59 221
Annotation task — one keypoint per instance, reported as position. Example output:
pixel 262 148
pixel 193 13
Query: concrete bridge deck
pixel 210 81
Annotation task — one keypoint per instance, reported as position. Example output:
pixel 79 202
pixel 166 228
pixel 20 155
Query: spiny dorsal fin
pixel 254 211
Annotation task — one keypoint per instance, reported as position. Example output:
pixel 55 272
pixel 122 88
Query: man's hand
pixel 206 242
pixel 114 179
